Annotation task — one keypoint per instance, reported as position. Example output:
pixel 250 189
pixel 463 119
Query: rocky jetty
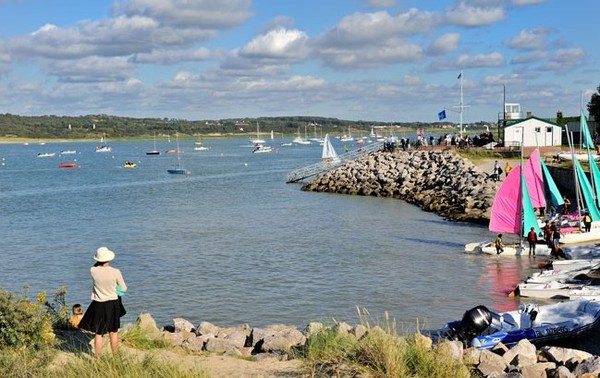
pixel 438 181
pixel 276 341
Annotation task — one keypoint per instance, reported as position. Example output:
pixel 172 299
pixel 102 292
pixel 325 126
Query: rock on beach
pixel 438 181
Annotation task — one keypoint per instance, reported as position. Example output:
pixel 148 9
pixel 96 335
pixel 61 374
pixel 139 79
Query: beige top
pixel 106 279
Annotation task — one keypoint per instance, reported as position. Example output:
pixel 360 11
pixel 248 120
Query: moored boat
pixel 261 149
pixel 482 328
pixel 46 154
pixel 67 165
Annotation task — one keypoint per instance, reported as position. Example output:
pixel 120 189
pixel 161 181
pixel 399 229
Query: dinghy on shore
pixel 482 328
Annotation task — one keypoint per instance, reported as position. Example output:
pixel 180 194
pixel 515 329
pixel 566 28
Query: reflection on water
pixel 233 243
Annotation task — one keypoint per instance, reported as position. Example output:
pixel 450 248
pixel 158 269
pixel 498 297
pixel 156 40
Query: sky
pixel 374 60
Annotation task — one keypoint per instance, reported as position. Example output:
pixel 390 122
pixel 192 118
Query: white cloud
pixel 444 44
pixel 202 14
pixel 278 44
pixel 90 69
pixel 172 57
pixel 394 51
pixel 466 15
pixel 494 59
pixel 367 28
pixel 533 39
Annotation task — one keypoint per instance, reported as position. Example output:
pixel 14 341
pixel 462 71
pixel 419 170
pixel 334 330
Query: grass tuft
pixel 381 352
pixel 137 338
pixel 120 365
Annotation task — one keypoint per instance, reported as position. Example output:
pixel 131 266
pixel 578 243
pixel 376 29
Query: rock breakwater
pixel 438 181
pixel 278 340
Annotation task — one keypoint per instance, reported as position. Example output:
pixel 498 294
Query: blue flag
pixel 442 115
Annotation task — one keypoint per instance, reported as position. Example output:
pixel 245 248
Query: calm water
pixel 233 243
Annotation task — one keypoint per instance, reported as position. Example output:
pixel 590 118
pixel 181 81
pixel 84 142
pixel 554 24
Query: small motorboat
pixel 540 324
pixel 261 149
pixel 129 164
pixel 67 165
pixel 46 154
pixel 68 152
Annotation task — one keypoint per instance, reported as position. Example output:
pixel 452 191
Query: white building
pixel 533 132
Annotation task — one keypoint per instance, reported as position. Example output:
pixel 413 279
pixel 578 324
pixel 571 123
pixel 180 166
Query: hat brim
pixel 105 256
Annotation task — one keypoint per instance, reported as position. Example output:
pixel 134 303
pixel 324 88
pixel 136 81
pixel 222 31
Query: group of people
pixel 497 171
pixel 551 237
pixel 106 309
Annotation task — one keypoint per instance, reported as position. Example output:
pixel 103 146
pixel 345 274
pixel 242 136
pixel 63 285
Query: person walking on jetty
pixel 567 205
pixel 499 244
pixel 555 237
pixel 587 222
pixel 532 240
pixel 104 313
pixel 507 169
pixel 497 171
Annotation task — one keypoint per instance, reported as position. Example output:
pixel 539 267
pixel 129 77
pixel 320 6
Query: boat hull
pixel 67 165
pixel 540 324
pixel 488 248
pixel 177 171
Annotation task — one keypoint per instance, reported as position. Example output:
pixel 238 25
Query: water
pixel 233 243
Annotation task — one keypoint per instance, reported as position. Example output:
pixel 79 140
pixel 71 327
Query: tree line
pixel 91 126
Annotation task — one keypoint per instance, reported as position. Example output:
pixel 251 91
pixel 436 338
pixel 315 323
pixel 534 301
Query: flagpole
pixel 461 104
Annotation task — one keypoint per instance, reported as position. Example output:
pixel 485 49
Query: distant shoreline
pixel 16 140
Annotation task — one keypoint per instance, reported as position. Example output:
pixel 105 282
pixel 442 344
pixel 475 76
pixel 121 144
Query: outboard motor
pixel 473 323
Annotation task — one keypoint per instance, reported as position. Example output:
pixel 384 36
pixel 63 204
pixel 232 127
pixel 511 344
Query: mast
pixel 521 189
pixel 461 103
pixel 578 195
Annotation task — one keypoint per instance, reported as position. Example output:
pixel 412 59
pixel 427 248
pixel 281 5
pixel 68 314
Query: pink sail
pixel 506 209
pixel 535 180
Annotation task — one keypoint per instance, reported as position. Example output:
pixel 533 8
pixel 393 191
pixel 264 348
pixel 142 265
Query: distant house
pixel 532 132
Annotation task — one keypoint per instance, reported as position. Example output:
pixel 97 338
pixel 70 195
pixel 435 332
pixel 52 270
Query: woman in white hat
pixel 104 313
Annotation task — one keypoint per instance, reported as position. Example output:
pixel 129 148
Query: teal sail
pixel 529 218
pixel 586 190
pixel 595 173
pixel 555 196
pixel 587 139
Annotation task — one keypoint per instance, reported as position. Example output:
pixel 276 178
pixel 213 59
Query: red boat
pixel 67 165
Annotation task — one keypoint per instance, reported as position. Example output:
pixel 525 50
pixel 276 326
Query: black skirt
pixel 102 317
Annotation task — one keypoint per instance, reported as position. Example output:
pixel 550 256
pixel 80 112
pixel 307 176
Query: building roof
pixel 516 122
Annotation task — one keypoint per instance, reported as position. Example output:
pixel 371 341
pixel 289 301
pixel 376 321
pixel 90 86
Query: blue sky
pixel 379 60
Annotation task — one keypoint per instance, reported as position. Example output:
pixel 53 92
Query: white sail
pixel 328 151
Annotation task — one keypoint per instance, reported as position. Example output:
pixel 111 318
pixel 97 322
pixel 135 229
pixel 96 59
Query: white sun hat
pixel 104 254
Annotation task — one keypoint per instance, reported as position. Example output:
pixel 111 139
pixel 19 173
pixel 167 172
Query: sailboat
pixel 258 139
pixel 154 151
pixel 329 155
pixel 513 210
pixel 300 140
pixel 199 147
pixel 347 138
pixel 103 146
pixel 179 170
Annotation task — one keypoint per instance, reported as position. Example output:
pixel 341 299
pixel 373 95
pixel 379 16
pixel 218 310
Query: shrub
pixel 57 309
pixel 23 323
